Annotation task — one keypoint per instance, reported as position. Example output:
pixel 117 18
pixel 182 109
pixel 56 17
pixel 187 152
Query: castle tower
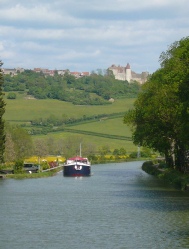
pixel 128 73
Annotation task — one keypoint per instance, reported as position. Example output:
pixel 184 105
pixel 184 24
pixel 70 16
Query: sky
pixel 86 35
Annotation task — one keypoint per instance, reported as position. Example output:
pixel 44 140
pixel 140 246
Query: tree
pixel 10 154
pixel 2 111
pixel 104 150
pixel 41 148
pixel 71 146
pixel 155 118
pixel 18 145
pixel 23 143
pixel 160 117
pixel 175 62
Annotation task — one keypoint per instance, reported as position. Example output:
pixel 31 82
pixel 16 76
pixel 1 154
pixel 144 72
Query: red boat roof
pixel 77 158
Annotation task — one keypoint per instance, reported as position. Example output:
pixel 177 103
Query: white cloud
pixel 38 16
pixel 91 34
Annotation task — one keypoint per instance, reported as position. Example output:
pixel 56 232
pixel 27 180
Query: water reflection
pixel 120 206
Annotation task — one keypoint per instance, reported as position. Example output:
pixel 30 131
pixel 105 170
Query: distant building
pixel 76 74
pixel 60 72
pixel 45 71
pixel 125 73
pixel 85 74
pixel 13 71
pixel 80 74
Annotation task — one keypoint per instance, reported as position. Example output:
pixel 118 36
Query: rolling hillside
pixel 109 131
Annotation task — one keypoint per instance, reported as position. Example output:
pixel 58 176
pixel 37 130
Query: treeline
pixel 52 120
pixel 88 90
pixel 160 117
pixel 20 145
pixel 54 123
pixel 97 134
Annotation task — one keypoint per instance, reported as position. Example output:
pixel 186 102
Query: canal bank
pixel 174 177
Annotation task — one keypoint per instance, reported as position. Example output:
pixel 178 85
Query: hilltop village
pixel 120 73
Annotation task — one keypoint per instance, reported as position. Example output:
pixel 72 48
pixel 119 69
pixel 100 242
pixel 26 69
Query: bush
pixel 11 96
pixel 150 168
pixel 45 166
pixel 18 167
pixel 133 155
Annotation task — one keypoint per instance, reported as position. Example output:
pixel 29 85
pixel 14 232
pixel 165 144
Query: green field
pixel 108 126
pixel 26 109
pixel 23 110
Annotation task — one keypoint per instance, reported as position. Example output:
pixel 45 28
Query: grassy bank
pixel 34 175
pixel 176 178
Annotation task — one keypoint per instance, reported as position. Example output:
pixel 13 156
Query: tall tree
pixel 2 111
pixel 160 115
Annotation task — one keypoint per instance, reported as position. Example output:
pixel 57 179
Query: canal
pixel 118 207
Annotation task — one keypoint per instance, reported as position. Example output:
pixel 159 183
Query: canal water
pixel 119 207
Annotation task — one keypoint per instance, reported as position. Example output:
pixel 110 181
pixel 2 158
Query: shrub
pixel 11 96
pixel 45 166
pixel 133 155
pixel 18 167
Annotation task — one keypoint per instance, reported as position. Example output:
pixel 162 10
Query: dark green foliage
pixel 58 121
pixel 87 90
pixel 150 168
pixel 119 152
pixel 160 117
pixel 2 111
pixel 18 167
pixel 92 158
pixel 171 176
pixel 11 96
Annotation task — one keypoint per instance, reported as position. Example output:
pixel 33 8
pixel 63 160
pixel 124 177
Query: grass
pixel 22 110
pixel 107 126
pixel 34 175
pixel 99 142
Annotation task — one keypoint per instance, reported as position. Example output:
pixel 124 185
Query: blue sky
pixel 86 35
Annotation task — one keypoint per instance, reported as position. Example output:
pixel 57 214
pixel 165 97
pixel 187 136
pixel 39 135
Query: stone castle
pixel 125 73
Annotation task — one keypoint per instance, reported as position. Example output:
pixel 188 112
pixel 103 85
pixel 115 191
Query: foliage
pixel 10 153
pixel 169 175
pixel 44 165
pixel 2 111
pixel 40 148
pixel 19 144
pixel 11 95
pixel 119 152
pixel 160 115
pixel 35 175
pixel 106 120
pixel 53 120
pixel 18 167
pixel 143 154
pixel 87 90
